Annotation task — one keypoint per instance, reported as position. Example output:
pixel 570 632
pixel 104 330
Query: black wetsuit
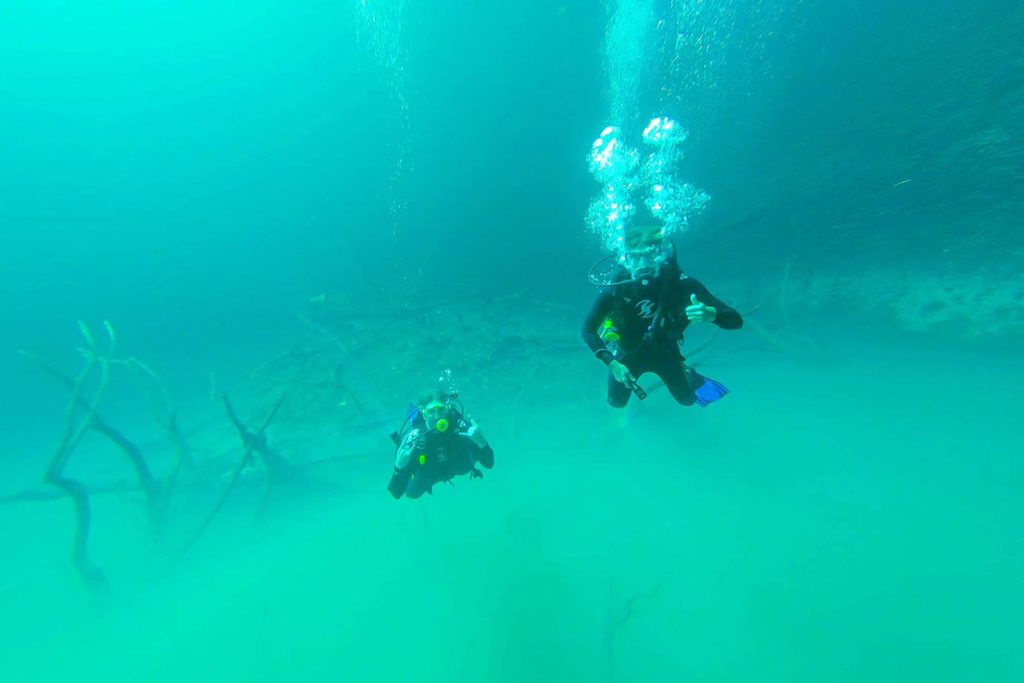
pixel 426 457
pixel 651 320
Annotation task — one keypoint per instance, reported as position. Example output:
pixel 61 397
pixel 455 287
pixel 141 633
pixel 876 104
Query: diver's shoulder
pixel 687 282
pixel 687 285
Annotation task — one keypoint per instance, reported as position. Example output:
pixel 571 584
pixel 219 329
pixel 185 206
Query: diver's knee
pixel 486 458
pixel 416 491
pixel 618 401
pixel 685 399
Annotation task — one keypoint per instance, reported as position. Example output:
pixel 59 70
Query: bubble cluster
pixel 446 381
pixel 627 180
pixel 609 213
pixel 668 198
pixel 714 52
pixel 663 132
pixel 379 34
pixel 629 63
pixel 379 29
pixel 610 159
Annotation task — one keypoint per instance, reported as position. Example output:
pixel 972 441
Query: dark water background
pixel 221 160
pixel 194 173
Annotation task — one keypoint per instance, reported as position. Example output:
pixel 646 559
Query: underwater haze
pixel 300 214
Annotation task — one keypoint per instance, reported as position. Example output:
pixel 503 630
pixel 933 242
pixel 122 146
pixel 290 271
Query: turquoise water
pixel 336 203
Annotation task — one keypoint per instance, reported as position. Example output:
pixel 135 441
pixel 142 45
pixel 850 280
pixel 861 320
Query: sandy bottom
pixel 848 519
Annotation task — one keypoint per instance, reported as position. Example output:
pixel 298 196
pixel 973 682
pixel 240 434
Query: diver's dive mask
pixel 435 415
pixel 644 251
pixel 643 267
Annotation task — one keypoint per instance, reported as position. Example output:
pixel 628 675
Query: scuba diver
pixel 436 443
pixel 636 324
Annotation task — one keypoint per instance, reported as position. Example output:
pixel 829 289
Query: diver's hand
pixel 621 373
pixel 412 443
pixel 698 312
pixel 475 434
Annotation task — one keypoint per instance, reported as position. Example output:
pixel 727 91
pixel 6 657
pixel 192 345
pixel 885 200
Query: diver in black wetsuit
pixel 438 444
pixel 636 324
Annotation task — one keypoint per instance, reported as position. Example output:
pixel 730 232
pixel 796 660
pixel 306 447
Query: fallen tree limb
pixel 252 442
pixel 72 434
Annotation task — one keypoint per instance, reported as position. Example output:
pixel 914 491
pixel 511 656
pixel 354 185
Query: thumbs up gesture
pixel 698 312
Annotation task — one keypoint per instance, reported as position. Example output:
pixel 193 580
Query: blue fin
pixel 709 392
